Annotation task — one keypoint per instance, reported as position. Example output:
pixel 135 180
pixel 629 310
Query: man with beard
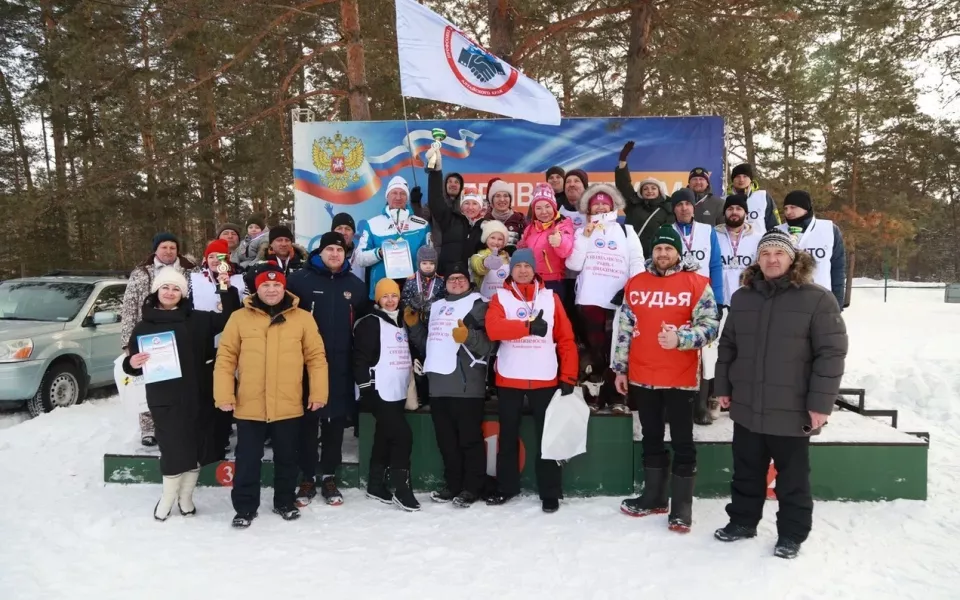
pixel 344 224
pixel 647 207
pixel 708 208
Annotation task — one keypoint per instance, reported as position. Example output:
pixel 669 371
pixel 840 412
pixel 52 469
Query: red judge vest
pixel 656 300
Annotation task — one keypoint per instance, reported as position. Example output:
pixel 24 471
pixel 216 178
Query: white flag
pixel 439 62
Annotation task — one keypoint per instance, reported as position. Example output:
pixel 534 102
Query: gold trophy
pixel 223 267
pixel 438 136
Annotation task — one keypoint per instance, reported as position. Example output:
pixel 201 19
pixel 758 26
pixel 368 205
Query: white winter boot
pixel 188 483
pixel 171 487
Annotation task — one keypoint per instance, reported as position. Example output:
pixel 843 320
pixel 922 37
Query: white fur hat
pixel 169 275
pixel 492 226
pixel 469 196
pixel 499 186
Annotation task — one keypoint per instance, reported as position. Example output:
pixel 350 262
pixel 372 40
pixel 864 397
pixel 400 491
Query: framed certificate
pixel 164 362
pixel 396 259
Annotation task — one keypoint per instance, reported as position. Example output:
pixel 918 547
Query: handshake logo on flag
pixel 483 65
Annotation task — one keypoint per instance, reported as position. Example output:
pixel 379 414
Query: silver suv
pixel 59 337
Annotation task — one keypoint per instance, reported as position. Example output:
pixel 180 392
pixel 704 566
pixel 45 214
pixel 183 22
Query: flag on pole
pixel 439 62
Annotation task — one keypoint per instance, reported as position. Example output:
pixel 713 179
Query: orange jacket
pixel 500 328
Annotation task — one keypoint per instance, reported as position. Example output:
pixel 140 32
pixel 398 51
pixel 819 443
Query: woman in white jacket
pixel 606 254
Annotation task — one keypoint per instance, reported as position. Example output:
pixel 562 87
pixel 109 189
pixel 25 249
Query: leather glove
pixel 565 388
pixel 538 326
pixel 416 195
pixel 460 332
pixel 627 148
pixel 410 317
pixel 493 262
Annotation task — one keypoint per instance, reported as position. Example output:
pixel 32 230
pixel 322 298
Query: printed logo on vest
pixel 818 253
pixel 660 299
pixel 448 311
pixel 612 245
pixel 733 262
pixel 401 336
pixel 522 313
pixel 502 273
pixel 598 243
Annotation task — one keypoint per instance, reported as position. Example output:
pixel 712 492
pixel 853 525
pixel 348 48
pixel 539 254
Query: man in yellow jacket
pixel 267 344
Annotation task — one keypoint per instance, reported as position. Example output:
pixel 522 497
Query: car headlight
pixel 14 350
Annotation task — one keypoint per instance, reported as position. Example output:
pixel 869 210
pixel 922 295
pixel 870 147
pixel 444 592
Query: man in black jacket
pixel 336 298
pixel 781 360
pixel 460 230
pixel 647 210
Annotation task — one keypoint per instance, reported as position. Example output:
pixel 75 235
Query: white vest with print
pixel 757 210
pixel 205 297
pixel 735 263
pixel 699 250
pixel 441 349
pixel 530 357
pixel 579 219
pixel 817 241
pixel 493 281
pixel 392 372
pixel 606 269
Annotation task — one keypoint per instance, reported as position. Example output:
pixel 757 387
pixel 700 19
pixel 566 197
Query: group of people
pixel 681 301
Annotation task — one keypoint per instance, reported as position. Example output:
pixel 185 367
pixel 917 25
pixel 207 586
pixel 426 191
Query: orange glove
pixel 460 332
pixel 410 317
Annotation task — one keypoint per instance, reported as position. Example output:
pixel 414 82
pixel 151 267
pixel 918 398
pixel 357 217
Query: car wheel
pixel 60 387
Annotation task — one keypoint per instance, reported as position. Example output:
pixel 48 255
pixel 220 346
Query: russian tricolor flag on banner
pixel 439 62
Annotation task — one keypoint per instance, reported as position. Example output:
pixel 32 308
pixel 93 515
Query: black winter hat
pixel 459 269
pixel 557 170
pixel 743 169
pixel 698 172
pixel 682 195
pixel 579 174
pixel 256 219
pixel 331 238
pixel 800 199
pixel 281 231
pixel 165 236
pixel 343 219
pixel 229 227
pixel 735 200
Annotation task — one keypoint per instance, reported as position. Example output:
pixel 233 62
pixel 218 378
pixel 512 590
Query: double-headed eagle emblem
pixel 337 160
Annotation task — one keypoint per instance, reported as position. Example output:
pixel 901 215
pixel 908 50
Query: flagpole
pixel 413 166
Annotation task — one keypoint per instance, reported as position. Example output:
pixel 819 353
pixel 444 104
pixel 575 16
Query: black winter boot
pixel 681 503
pixel 377 485
pixel 653 501
pixel 402 494
pixel 701 409
pixel 734 533
pixel 786 548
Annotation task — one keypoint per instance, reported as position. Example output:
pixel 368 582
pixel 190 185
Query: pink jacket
pixel 550 261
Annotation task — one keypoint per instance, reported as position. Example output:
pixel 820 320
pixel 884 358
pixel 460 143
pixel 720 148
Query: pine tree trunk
pixel 502 29
pixel 19 147
pixel 356 61
pixel 746 115
pixel 638 52
pixel 58 110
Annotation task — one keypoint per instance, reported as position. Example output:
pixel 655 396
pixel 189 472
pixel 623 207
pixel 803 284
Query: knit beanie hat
pixel 343 219
pixel 470 195
pixel 579 174
pixel 165 237
pixel 397 183
pixel 667 235
pixel 698 172
pixel 331 238
pixel 269 271
pixel 523 255
pixel 557 170
pixel 169 275
pixel 800 199
pixel 735 200
pixel 743 169
pixel 498 186
pixel 459 269
pixel 487 228
pixel 543 193
pixel 281 231
pixel 385 286
pixel 682 195
pixel 229 227
pixel 256 219
pixel 216 247
pixel 427 254
pixel 775 238
pixel 601 197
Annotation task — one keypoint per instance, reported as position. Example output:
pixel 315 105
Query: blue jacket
pixel 716 261
pixel 383 227
pixel 335 300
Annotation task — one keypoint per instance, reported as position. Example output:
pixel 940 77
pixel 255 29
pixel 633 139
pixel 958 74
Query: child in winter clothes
pixel 550 236
pixel 489 266
pixel 424 287
pixel 257 236
pixel 381 367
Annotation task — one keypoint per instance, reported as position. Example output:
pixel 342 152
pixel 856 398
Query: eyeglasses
pixel 457 279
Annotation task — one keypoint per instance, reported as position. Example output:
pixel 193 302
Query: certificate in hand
pixel 164 362
pixel 396 259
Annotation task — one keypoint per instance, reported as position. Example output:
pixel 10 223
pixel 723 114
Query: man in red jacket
pixel 537 353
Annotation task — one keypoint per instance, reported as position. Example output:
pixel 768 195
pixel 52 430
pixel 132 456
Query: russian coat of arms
pixel 337 160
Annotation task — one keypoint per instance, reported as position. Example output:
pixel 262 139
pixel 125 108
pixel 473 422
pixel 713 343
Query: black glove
pixel 627 148
pixel 538 326
pixel 565 388
pixel 416 195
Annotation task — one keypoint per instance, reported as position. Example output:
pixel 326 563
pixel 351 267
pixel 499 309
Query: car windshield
pixel 42 300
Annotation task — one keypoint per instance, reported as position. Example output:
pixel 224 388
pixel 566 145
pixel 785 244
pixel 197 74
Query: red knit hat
pixel 270 271
pixel 216 247
pixel 544 193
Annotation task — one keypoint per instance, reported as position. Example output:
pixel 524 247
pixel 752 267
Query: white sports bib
pixel 441 349
pixel 392 373
pixel 817 241
pixel 606 269
pixel 530 357
pixel 696 246
pixel 493 281
pixel 737 253
pixel 757 210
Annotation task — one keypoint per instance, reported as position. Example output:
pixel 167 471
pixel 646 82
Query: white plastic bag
pixel 130 388
pixel 710 353
pixel 565 427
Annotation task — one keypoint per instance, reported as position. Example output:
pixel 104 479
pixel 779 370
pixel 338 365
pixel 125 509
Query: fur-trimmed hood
pixel 583 206
pixel 297 249
pixel 801 271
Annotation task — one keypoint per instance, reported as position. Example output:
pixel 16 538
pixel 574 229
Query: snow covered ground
pixel 64 534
